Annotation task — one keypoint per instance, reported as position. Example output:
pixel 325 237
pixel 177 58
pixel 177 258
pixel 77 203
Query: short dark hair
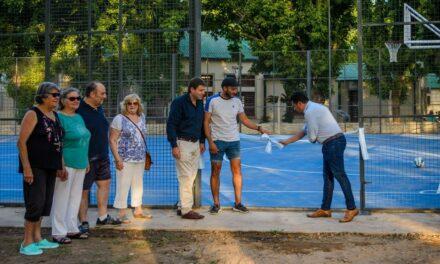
pixel 90 87
pixel 194 83
pixel 299 97
pixel 229 82
pixel 43 89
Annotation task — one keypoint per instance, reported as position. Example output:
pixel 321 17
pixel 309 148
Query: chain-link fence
pixel 152 48
pixel 130 46
pixel 398 44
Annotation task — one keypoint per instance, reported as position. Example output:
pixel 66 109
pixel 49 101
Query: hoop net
pixel 393 47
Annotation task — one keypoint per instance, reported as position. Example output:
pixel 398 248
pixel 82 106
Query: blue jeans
pixel 333 153
pixel 230 148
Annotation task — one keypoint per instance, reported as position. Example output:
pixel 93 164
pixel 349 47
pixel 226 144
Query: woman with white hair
pixel 128 145
pixel 67 196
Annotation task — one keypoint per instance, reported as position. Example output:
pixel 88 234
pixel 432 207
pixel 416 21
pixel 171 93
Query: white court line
pixel 288 170
pixel 320 172
pixel 280 170
pixel 9 155
pixel 251 191
pixel 429 192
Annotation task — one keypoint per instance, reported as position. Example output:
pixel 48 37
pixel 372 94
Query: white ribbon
pixel 265 138
pixel 270 141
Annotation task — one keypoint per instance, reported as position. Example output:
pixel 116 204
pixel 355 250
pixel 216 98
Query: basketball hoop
pixel 393 47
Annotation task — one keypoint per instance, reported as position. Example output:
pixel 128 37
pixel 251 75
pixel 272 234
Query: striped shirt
pixel 320 123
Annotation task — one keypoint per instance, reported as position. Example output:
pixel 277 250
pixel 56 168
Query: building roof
pixel 349 72
pixel 215 48
pixel 432 81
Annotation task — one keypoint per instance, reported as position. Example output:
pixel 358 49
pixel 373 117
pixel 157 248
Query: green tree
pixel 284 26
pixel 146 55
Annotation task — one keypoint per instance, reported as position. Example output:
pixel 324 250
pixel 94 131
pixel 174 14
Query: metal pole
pixel 195 38
pixel 14 102
pixel 239 83
pixel 47 32
pixel 329 58
pixel 380 92
pixel 309 74
pixel 195 70
pixel 360 103
pixel 109 89
pixel 120 64
pixel 173 75
pixel 273 89
pixel 89 40
pixel 141 73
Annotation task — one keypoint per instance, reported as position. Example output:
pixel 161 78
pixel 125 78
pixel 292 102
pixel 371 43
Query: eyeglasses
pixel 55 94
pixel 132 103
pixel 74 98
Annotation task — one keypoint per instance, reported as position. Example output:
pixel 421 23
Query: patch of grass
pixel 124 259
pixel 139 244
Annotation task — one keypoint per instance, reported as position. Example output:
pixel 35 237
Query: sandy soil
pixel 109 246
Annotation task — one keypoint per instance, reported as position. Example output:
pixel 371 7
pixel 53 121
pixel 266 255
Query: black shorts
pixel 38 196
pixel 99 171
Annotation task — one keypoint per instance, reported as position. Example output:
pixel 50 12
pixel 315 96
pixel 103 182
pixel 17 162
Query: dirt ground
pixel 110 246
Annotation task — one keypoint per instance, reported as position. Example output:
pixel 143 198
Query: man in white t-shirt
pixel 221 130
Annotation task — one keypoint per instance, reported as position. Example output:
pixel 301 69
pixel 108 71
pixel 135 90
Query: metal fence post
pixel 120 65
pixel 380 92
pixel 360 103
pixel 309 74
pixel 329 58
pixel 89 40
pixel 239 84
pixel 195 38
pixel 173 75
pixel 47 33
pixel 195 70
pixel 273 90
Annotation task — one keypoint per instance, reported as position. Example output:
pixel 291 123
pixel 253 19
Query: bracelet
pixel 259 128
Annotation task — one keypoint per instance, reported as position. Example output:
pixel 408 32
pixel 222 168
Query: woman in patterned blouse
pixel 128 145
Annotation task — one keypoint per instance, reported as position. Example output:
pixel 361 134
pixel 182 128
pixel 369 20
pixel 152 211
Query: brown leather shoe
pixel 320 213
pixel 142 216
pixel 193 216
pixel 349 215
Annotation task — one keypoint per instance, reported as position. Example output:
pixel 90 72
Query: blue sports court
pixel 289 177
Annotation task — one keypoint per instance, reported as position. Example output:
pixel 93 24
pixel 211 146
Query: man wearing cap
pixel 221 130
pixel 321 126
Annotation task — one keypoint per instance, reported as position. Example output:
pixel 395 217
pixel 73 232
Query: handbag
pixel 148 161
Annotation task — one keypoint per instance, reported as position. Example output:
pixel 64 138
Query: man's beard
pixel 227 95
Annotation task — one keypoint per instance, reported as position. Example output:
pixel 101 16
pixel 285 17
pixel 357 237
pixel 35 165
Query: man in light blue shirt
pixel 320 126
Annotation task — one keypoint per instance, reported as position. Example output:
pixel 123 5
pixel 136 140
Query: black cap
pixel 229 81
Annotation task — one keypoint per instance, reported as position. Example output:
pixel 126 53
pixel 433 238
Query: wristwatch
pixel 259 128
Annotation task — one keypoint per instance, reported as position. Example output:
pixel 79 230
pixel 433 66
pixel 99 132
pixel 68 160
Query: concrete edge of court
pixel 402 224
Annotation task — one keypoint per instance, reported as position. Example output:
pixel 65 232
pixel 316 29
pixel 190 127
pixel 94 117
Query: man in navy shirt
pixel 186 136
pixel 91 111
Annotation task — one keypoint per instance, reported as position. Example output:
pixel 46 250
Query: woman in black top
pixel 40 145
